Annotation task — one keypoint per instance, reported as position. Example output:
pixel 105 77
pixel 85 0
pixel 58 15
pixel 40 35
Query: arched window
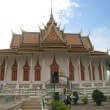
pixel 37 71
pixel 100 71
pixel 82 71
pixel 54 70
pixel 2 71
pixel 71 71
pixel 26 71
pixel 14 71
pixel 93 72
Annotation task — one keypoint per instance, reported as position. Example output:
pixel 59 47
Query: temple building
pixel 50 56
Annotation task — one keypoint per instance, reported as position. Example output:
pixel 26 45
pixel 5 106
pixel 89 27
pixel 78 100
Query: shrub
pixel 56 96
pixel 105 99
pixel 109 97
pixel 97 96
pixel 85 99
pixel 76 97
pixel 58 105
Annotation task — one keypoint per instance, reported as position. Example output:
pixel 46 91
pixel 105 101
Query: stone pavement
pixel 91 106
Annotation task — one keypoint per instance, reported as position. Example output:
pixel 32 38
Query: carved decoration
pixel 52 36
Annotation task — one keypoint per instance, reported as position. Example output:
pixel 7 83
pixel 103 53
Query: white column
pixel 6 66
pixel 43 86
pixel 31 71
pixel 102 72
pixel 79 70
pixel 67 64
pixel 91 70
pixel 18 72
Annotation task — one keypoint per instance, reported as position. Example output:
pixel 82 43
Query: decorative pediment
pixel 15 64
pixel 54 62
pixel 52 33
pixel 37 66
pixel 26 64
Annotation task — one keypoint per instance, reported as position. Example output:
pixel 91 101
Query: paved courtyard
pixel 91 106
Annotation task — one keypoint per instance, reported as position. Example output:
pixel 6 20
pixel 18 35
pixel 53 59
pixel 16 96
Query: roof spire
pixel 51 7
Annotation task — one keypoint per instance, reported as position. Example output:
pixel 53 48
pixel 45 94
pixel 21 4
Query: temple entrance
pixel 55 77
pixel 54 71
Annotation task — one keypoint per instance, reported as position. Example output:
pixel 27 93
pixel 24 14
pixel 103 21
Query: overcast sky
pixel 75 15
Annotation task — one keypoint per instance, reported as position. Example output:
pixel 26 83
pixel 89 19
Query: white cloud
pixel 101 38
pixel 28 14
pixel 65 9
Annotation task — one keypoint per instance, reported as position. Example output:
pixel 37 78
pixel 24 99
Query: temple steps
pixel 32 104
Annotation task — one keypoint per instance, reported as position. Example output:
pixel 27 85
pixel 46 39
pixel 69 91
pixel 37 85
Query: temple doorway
pixel 54 72
pixel 55 77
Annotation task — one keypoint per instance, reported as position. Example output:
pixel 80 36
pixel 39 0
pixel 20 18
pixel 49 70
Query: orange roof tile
pixel 86 42
pixel 16 41
pixel 73 39
pixel 31 38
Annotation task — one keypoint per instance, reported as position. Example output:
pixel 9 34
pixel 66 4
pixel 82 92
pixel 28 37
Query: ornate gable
pixel 52 33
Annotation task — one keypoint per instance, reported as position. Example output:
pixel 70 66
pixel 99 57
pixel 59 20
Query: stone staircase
pixel 32 104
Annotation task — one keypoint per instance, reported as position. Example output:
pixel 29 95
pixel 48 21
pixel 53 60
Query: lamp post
pixel 53 77
pixel 54 82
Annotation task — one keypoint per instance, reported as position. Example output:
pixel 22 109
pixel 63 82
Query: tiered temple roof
pixel 50 38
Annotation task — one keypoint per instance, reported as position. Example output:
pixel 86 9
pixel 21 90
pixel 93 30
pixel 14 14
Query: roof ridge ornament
pixel 22 29
pixel 13 33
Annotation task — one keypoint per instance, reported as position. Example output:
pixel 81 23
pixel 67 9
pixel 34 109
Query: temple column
pixel 67 64
pixel 102 72
pixel 6 67
pixel 43 69
pixel 18 73
pixel 79 70
pixel 91 72
pixel 31 72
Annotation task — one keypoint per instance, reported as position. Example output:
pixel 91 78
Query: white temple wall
pixel 45 60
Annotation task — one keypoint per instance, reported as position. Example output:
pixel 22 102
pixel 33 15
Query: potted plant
pixel 97 96
pixel 85 99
